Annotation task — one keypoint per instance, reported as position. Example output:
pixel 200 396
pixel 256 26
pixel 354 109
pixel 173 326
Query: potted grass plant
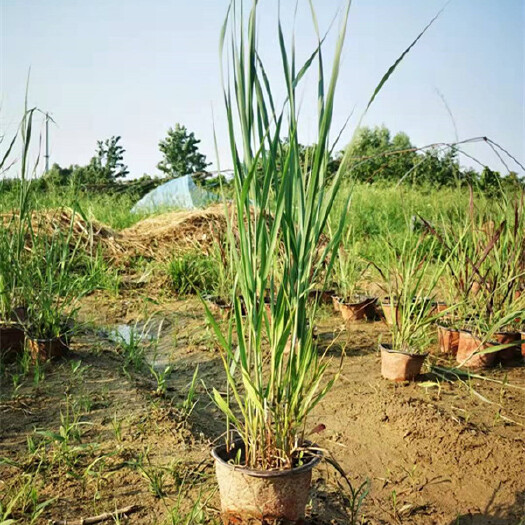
pixel 411 275
pixel 486 274
pixel 351 301
pixel 274 373
pixel 11 312
pixel 281 206
pixel 492 335
pixel 51 291
pixel 13 230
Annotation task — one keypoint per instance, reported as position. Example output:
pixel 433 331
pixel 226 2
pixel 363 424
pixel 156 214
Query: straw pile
pixel 158 236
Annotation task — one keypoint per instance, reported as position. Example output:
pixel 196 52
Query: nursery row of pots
pixel 469 348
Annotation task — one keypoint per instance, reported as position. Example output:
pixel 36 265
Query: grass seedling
pixel 133 347
pixel 189 402
pixel 116 425
pixel 161 377
pixel 67 441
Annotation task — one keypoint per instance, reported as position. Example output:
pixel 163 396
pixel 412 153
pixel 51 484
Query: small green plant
pixel 22 501
pixel 161 377
pixel 193 272
pixel 155 475
pixel 132 345
pixel 116 425
pixel 66 443
pixel 189 402
pixel 38 372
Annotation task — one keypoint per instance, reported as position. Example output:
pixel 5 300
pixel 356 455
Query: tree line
pixel 374 156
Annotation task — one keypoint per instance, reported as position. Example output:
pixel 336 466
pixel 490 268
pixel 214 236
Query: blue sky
pixel 135 68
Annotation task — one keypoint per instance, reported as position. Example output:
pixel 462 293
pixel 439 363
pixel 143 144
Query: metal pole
pixel 47 142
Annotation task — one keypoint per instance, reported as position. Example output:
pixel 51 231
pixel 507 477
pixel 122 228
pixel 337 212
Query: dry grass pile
pixel 158 236
pixel 88 234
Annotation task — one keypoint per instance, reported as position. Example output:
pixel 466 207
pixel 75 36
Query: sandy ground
pixel 430 452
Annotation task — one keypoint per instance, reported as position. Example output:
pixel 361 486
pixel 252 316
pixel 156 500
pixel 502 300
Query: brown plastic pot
pixel 321 296
pixel 390 312
pixel 358 309
pixel 448 339
pixel 256 496
pixel 468 345
pixel 400 366
pixel 45 349
pixel 219 306
pixel 512 353
pixel 336 303
pixel 439 307
pixel 11 342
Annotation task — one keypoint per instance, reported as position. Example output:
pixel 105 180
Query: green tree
pixel 107 165
pixel 374 155
pixel 181 153
pixel 435 167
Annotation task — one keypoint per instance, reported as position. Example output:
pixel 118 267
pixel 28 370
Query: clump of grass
pixel 192 273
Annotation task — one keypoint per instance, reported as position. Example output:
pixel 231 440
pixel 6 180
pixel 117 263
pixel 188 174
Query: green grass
pixel 112 209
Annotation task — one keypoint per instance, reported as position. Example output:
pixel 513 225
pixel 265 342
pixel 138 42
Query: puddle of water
pixel 126 332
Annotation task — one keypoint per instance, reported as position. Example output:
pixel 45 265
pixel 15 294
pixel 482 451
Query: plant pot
pixel 219 306
pixel 336 303
pixel 522 337
pixel 468 345
pixel 400 366
pixel 11 342
pixel 448 339
pixel 439 307
pixel 358 308
pixel 256 496
pixel 45 349
pixel 390 313
pixel 321 296
pixel 512 353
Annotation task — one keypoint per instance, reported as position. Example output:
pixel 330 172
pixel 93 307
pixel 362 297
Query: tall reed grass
pixel 282 208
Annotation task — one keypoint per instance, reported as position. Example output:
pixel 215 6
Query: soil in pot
pixel 266 497
pixel 11 342
pixel 357 308
pixel 448 339
pixel 468 345
pixel 400 366
pixel 45 349
pixel 512 353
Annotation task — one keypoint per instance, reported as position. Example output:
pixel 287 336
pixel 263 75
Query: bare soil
pixel 434 451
